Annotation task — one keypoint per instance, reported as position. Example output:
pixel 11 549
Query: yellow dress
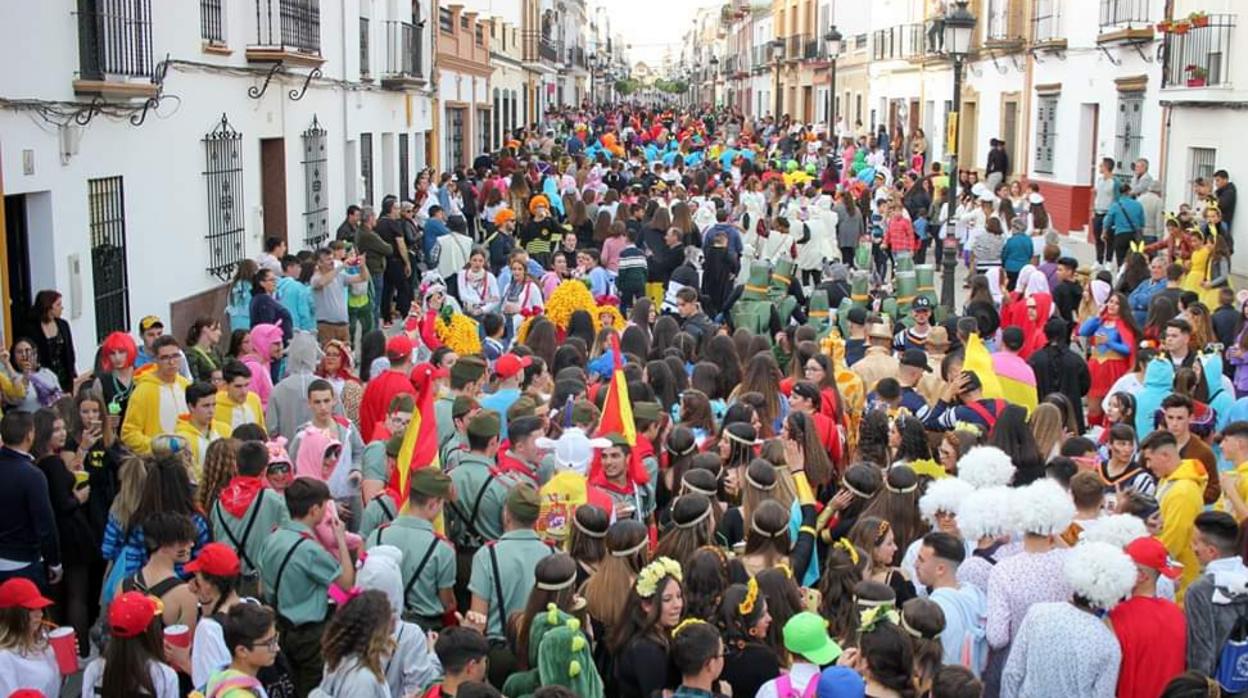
pixel 1199 271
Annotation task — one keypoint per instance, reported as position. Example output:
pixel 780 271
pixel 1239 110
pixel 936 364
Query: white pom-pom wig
pixel 1100 573
pixel 944 495
pixel 986 513
pixel 986 466
pixel 1116 529
pixel 1042 508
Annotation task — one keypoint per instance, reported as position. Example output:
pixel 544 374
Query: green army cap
pixel 485 424
pixel 394 445
pixel 585 412
pixel 523 502
pixel 462 406
pixel 468 368
pixel 649 411
pixel 617 439
pixel 431 482
pixel 402 402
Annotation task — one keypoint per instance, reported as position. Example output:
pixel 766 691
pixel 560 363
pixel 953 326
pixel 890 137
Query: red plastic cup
pixel 178 635
pixel 65 647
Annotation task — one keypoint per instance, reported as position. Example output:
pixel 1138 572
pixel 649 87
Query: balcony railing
pixel 1124 14
pixel 795 44
pixel 404 49
pixel 903 41
pixel 115 38
pixel 289 25
pixel 1201 57
pixel 814 49
pixel 548 51
pixel 1046 21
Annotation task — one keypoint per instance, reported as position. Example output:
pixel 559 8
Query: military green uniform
pixel 296 571
pixel 380 511
pixel 752 311
pixel 476 514
pixel 442 415
pixel 373 462
pixel 428 567
pixel 503 574
pixel 247 534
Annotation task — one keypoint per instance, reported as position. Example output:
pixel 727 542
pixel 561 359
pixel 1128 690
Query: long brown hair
pixel 127 660
pixel 551 571
pixel 360 629
pixel 15 634
pixel 639 622
pixel 842 569
pixel 220 465
pixel 818 466
pixel 898 504
pixel 607 591
pixel 693 526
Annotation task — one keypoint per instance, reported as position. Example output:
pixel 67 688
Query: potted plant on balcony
pixel 1180 27
pixel 1164 26
pixel 1198 19
pixel 1196 75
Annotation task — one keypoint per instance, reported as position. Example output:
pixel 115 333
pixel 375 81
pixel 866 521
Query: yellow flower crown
pixel 746 607
pixel 928 467
pixel 650 576
pixel 968 428
pixel 872 617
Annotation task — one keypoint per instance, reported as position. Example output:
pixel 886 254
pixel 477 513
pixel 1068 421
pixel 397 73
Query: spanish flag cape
pixel 420 441
pixel 617 418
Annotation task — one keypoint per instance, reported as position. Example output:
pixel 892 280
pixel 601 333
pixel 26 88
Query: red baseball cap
pixel 509 365
pixel 1149 552
pixel 27 693
pixel 216 559
pixel 399 345
pixel 130 614
pixel 20 592
pixel 424 372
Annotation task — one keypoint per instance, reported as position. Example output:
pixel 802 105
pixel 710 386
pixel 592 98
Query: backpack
pixel 1232 671
pixel 784 687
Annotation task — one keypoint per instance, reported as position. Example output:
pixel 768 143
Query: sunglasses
pixel 279 469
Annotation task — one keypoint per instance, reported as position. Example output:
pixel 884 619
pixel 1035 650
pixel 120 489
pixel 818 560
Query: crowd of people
pixel 655 403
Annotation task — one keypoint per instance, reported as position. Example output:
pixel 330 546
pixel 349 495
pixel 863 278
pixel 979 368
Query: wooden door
pixel 273 186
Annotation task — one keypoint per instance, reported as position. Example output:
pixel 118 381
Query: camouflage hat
pixel 431 482
pixel 523 502
pixel 485 424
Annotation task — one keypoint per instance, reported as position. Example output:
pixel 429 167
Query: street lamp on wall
pixel 833 40
pixel 777 55
pixel 959 29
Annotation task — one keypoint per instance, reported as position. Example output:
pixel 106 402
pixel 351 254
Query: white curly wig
pixel 986 513
pixel 383 570
pixel 1042 508
pixel 946 495
pixel 986 466
pixel 1116 529
pixel 1100 573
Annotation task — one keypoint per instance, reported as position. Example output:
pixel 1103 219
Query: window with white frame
pixel 1046 134
pixel 1127 131
pixel 1204 164
pixel 998 15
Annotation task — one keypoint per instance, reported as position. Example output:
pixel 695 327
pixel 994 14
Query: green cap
pixel 523 502
pixel 485 424
pixel 584 412
pixel 617 439
pixel 431 482
pixel 402 402
pixel 462 406
pixel 648 411
pixel 806 634
pixel 468 368
pixel 394 445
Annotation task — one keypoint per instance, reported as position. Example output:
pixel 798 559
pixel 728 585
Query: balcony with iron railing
pixel 548 51
pixel 794 45
pixel 1125 22
pixel 814 49
pixel 404 56
pixel 114 47
pixel 901 42
pixel 1200 56
pixel 287 31
pixel 1046 25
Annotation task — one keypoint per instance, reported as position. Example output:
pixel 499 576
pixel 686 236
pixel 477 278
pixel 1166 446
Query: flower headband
pixel 849 549
pixel 746 607
pixel 968 428
pixel 686 624
pixel 871 618
pixel 650 576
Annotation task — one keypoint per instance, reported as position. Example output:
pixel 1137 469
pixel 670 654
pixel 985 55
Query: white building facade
pixel 263 118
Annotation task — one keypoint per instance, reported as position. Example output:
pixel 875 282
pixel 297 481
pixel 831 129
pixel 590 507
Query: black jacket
pixel 59 356
pixel 998 161
pixel 719 271
pixel 1060 370
pixel 27 525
